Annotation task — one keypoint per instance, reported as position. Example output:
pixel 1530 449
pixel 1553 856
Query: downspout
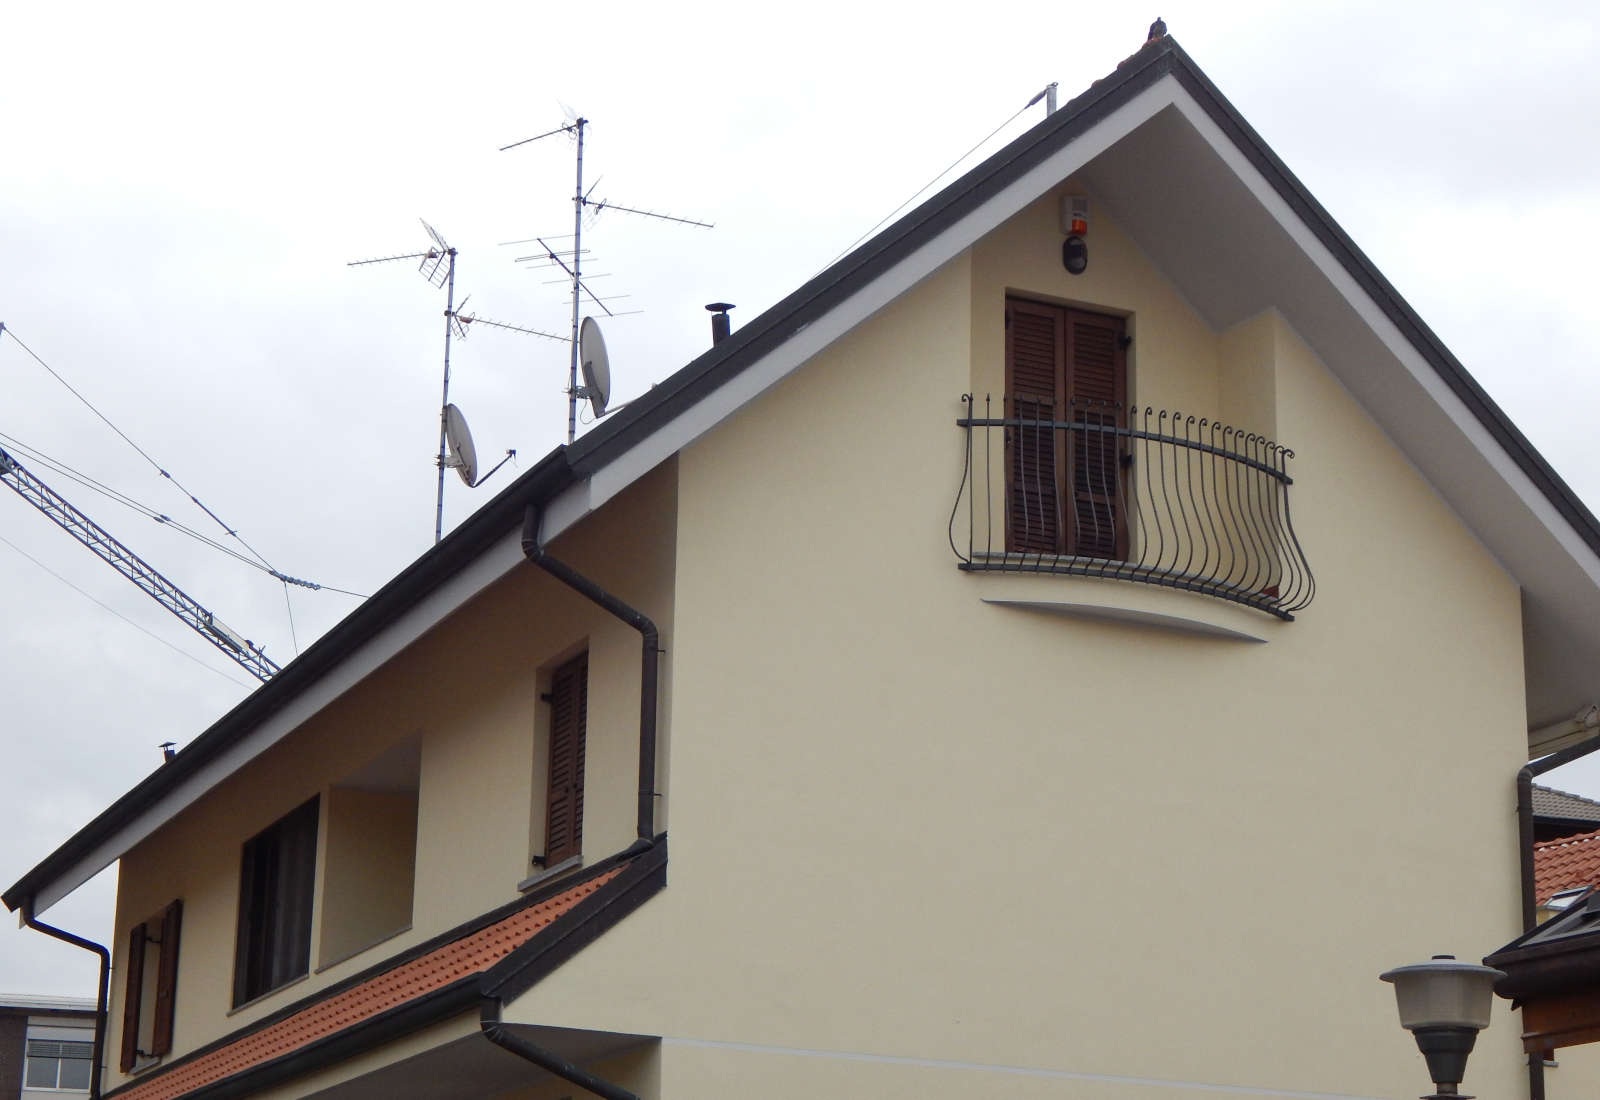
pixel 105 986
pixel 649 666
pixel 495 1032
pixel 1530 900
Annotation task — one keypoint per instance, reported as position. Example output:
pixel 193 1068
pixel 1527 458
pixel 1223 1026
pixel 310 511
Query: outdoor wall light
pixel 1074 255
pixel 1444 1004
pixel 1075 224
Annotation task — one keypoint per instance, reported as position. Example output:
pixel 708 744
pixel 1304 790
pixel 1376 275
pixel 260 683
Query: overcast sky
pixel 184 185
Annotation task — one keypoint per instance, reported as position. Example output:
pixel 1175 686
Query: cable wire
pixel 33 454
pixel 120 615
pixel 232 532
pixel 927 185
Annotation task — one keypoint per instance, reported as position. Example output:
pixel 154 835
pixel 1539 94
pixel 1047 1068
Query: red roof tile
pixel 1566 864
pixel 474 953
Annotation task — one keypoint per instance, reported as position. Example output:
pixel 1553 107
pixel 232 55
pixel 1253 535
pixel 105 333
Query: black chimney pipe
pixel 720 325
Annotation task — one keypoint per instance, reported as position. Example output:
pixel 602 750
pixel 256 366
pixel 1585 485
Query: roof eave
pixel 541 483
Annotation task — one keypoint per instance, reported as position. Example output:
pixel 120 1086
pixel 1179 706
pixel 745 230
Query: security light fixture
pixel 1444 1004
pixel 1074 255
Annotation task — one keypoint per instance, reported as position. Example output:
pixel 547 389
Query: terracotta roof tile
pixel 1566 864
pixel 474 953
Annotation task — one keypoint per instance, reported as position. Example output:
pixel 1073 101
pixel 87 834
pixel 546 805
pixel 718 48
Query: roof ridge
pixel 1566 794
pixel 1563 841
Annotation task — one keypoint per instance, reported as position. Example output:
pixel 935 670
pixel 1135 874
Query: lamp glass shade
pixel 1443 993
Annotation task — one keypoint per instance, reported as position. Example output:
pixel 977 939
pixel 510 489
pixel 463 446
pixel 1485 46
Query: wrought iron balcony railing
pixel 1150 496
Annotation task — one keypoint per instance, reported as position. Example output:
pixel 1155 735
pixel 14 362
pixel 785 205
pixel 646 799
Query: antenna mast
pixel 135 568
pixel 577 285
pixel 441 255
pixel 580 200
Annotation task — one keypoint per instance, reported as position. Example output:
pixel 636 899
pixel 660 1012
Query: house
pixel 46 1044
pixel 1025 718
pixel 1558 814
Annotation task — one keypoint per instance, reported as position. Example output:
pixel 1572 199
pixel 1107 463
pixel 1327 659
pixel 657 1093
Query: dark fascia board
pixel 579 926
pixel 548 949
pixel 475 535
pixel 1383 293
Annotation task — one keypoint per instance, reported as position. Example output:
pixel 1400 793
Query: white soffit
pixel 427 613
pixel 1558 571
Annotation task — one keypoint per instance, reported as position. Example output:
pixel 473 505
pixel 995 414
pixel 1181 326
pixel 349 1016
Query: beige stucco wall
pixel 911 825
pixel 469 691
pixel 369 844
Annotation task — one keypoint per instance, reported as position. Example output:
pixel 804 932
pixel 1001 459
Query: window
pixel 149 995
pixel 275 884
pixel 53 1064
pixel 1065 487
pixel 569 714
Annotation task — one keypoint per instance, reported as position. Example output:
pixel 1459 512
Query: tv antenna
pixel 580 200
pixel 438 266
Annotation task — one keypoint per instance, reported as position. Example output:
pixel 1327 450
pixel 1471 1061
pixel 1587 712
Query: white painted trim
pixel 1129 616
pixel 484 570
pixel 814 337
pixel 1013 1071
pixel 1371 313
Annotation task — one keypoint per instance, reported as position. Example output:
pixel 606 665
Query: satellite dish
pixel 463 455
pixel 596 366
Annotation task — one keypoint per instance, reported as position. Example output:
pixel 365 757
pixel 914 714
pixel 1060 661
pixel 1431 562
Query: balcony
pixel 1154 497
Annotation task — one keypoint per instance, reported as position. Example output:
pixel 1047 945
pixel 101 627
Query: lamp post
pixel 1444 1004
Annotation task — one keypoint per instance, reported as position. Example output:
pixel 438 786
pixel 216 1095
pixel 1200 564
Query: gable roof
pixel 1562 806
pixel 1566 864
pixel 495 956
pixel 1157 104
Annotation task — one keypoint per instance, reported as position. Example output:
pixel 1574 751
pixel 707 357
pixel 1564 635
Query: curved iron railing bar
pixel 1256 464
pixel 1228 533
pixel 955 509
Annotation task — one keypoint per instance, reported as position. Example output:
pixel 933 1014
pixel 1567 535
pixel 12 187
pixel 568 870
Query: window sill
pixel 571 863
pixel 252 1002
pixel 368 946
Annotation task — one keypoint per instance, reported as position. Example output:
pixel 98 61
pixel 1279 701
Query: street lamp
pixel 1444 1004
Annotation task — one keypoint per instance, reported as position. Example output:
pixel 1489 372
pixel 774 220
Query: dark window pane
pixel 75 1073
pixel 41 1073
pixel 275 884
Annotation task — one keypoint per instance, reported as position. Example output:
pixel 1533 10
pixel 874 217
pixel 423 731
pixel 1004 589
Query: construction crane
pixel 135 568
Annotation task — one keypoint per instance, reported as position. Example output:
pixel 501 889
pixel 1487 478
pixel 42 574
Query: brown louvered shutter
pixel 132 991
pixel 1035 357
pixel 166 980
pixel 1096 395
pixel 569 705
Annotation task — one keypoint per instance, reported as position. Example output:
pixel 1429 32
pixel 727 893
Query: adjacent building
pixel 46 1046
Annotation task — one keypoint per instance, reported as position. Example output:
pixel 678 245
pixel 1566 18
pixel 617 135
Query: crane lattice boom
pixel 135 568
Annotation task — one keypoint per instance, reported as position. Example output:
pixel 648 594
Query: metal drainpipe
pixel 650 659
pixel 1530 901
pixel 105 986
pixel 489 1022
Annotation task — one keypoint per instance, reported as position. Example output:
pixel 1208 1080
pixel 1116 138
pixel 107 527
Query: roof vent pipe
pixel 720 325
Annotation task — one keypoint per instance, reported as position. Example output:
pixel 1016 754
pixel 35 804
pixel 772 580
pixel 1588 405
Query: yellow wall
pixel 469 691
pixel 909 824
pixel 369 844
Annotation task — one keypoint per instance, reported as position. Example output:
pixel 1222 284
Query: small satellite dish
pixel 596 366
pixel 463 455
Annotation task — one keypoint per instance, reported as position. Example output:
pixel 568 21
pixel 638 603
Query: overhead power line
pixel 255 558
pixel 120 615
